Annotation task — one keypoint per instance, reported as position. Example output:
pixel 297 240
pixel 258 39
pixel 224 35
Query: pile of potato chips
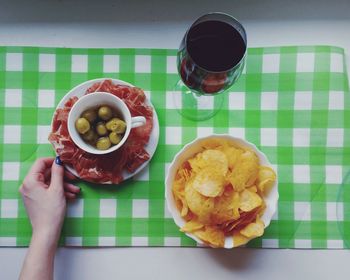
pixel 219 192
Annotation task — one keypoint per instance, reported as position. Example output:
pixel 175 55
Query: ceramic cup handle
pixel 137 121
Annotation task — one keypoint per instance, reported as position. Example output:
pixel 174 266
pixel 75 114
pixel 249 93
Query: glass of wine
pixel 210 60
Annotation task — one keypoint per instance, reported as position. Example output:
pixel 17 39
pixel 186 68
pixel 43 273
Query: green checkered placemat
pixel 292 102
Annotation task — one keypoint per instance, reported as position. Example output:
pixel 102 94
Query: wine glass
pixel 210 60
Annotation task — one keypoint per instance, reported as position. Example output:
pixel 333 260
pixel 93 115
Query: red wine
pixel 215 45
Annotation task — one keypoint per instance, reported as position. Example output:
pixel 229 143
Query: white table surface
pixel 161 24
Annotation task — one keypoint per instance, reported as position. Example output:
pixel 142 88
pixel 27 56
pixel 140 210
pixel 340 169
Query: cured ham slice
pixel 108 167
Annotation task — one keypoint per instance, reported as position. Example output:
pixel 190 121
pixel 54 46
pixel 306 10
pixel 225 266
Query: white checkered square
pixel 106 241
pixel 334 174
pixel 205 103
pixel 142 63
pixel 237 132
pixel 13 98
pixel 108 208
pixel 9 208
pixel 140 208
pixel 269 100
pixel 8 241
pixel 303 100
pixel 110 63
pixel 336 100
pixel 268 137
pixel 271 63
pixel 302 211
pixel 14 62
pixel 41 134
pixel 12 134
pixel 331 211
pixel 236 100
pixel 305 62
pixel 335 244
pixel 173 99
pixel 171 65
pixel 75 209
pixel 302 243
pixel 73 241
pixel 301 174
pixel 46 98
pixel 47 62
pixel 335 137
pixel 10 171
pixel 172 241
pixel 337 62
pixel 204 131
pixel 270 243
pixel 139 241
pixel 143 175
pixel 340 211
pixel 79 63
pixel 173 135
pixel 301 137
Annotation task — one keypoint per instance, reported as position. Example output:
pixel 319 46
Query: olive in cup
pixel 100 127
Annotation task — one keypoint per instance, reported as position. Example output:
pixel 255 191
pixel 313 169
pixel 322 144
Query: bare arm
pixel 39 261
pixel 44 194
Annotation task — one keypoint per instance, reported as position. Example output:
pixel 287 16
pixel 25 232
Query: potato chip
pixel 226 208
pixel 252 189
pixel 233 154
pixel 192 226
pixel 211 235
pixel 245 172
pixel 200 205
pixel 214 159
pixel 209 182
pixel 249 201
pixel 239 239
pixel 253 230
pixel 266 178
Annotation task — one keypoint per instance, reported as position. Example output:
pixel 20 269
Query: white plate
pixel 192 148
pixel 80 90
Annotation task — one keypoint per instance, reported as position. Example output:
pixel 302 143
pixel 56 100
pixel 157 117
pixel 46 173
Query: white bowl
pixel 192 148
pixel 97 99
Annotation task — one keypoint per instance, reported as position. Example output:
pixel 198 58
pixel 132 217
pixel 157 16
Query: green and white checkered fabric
pixel 292 102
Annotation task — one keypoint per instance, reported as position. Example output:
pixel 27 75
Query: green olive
pixel 114 137
pixel 101 129
pixel 82 125
pixel 90 136
pixel 103 143
pixel 90 115
pixel 116 125
pixel 105 113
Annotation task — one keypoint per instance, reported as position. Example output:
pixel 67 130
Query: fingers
pixel 71 188
pixel 68 175
pixel 70 196
pixel 57 173
pixel 40 165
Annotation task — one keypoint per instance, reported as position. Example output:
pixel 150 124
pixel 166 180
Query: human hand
pixel 44 193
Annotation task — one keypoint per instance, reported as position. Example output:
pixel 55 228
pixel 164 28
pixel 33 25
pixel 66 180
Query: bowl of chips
pixel 221 191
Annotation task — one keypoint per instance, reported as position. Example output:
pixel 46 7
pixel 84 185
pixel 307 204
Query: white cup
pixel 94 100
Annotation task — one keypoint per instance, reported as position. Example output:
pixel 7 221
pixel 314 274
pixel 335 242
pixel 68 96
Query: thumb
pixel 57 173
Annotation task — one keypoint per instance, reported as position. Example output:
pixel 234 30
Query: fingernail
pixel 58 161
